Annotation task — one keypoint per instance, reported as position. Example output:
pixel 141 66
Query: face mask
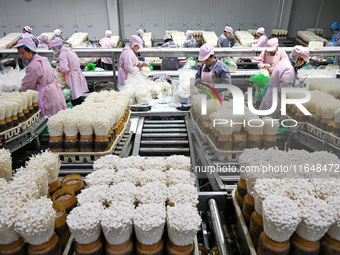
pixel 272 53
pixel 56 49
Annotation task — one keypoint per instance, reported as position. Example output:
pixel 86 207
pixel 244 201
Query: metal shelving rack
pixel 314 143
pixel 161 52
pixel 25 137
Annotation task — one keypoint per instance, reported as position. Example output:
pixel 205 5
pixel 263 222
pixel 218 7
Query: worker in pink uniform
pixel 140 33
pixel 70 65
pixel 40 77
pixel 128 61
pixel 107 42
pixel 223 39
pixel 262 38
pixel 27 33
pixel 169 63
pixel 190 41
pixel 271 55
pixel 59 33
pixel 213 71
pixel 43 40
pixel 284 75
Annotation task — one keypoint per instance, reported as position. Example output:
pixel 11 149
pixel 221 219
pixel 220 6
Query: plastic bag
pixel 260 80
pixel 320 72
pixel 11 81
pixel 182 86
pixel 137 85
pixel 237 45
pixel 67 93
pixel 69 105
pixel 259 94
pixel 165 86
pixel 182 97
pixel 90 67
pixel 145 71
pixel 61 79
pixel 231 65
pixel 150 67
pixel 175 85
pixel 86 44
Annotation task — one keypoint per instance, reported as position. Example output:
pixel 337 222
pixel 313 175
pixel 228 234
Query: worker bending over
pixel 69 65
pixel 284 75
pixel 190 41
pixel 213 71
pixel 128 62
pixel 262 38
pixel 40 77
pixel 271 56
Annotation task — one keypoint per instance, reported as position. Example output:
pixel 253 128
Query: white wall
pixel 159 16
pixel 305 13
pixel 70 15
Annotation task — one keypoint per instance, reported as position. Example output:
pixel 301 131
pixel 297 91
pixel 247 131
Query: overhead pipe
pixel 277 13
pixel 120 25
pixel 317 21
pixel 283 4
pixel 108 14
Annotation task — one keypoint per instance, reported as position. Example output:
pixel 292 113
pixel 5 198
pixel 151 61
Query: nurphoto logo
pixel 238 100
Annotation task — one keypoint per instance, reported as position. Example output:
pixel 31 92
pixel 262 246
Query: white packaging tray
pixel 318 132
pixel 10 132
pixel 90 157
pixel 230 156
pixel 30 121
pixel 241 224
pixel 204 137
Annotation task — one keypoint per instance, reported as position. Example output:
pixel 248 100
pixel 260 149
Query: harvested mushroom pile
pixel 16 108
pixel 233 132
pixel 324 107
pixel 308 206
pixel 98 115
pixel 78 38
pixel 177 36
pixel 308 36
pixel 9 40
pixel 244 38
pixel 209 37
pixel 11 81
pixel 279 33
pixel 25 211
pixel 147 39
pixel 126 196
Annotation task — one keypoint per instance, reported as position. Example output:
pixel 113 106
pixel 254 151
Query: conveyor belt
pixel 123 149
pixel 161 138
pixel 146 122
pixel 161 126
pixel 205 156
pixel 27 136
pixel 162 142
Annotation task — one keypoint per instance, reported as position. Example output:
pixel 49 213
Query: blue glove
pixel 332 45
pixel 333 40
